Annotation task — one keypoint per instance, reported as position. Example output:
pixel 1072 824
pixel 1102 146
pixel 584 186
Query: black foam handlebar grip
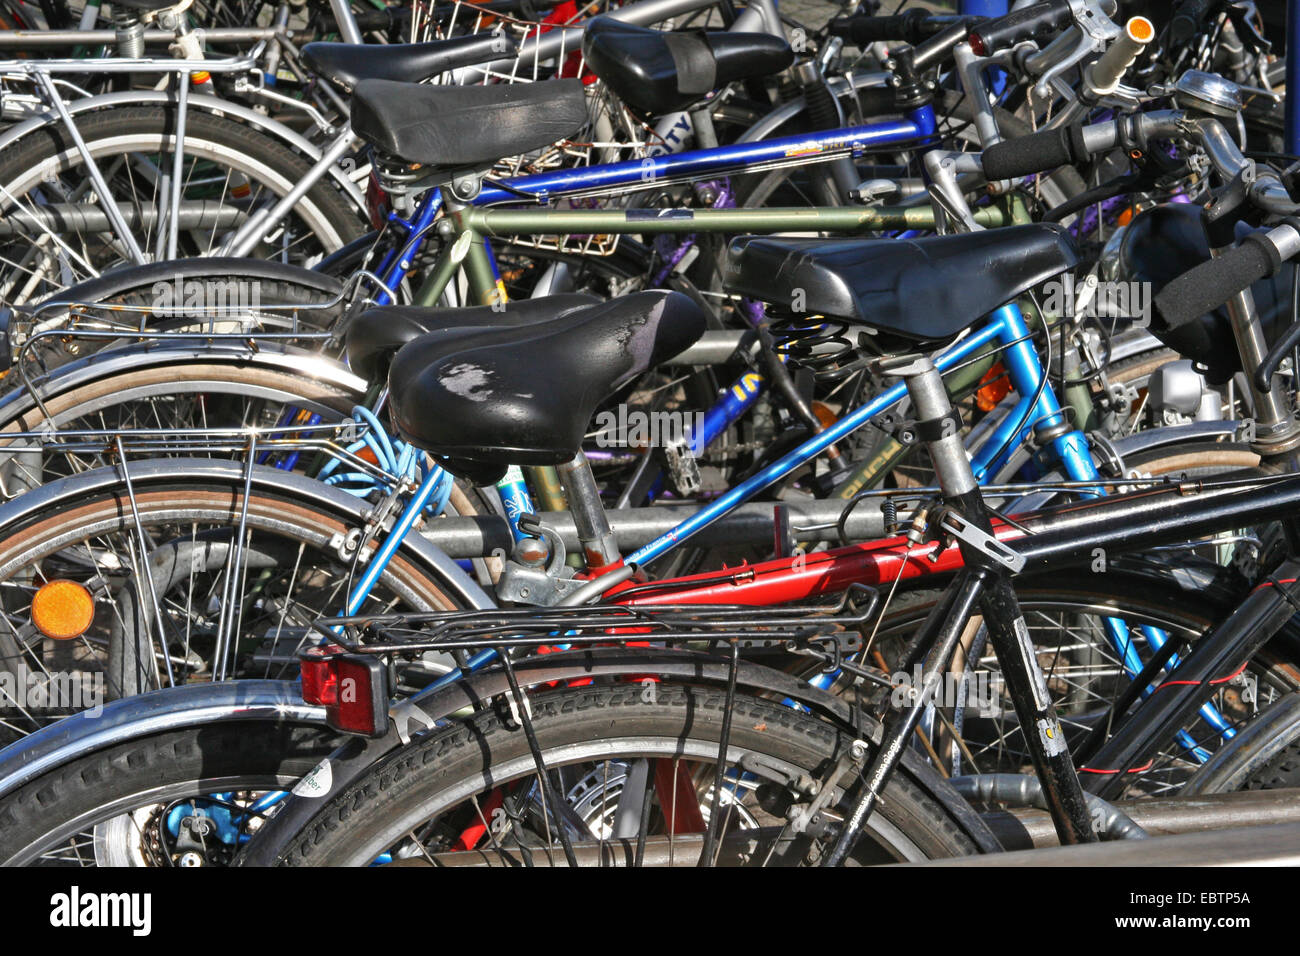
pixel 864 30
pixel 1035 153
pixel 1212 283
pixel 1187 20
pixel 1036 22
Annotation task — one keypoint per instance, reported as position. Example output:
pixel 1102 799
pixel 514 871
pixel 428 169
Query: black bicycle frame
pixel 1062 539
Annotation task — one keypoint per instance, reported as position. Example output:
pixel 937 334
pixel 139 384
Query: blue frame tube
pixel 1026 371
pixel 734 402
pixel 983 8
pixel 414 508
pixel 805 452
pixel 919 125
pixel 397 263
pixel 1071 450
pixel 1291 104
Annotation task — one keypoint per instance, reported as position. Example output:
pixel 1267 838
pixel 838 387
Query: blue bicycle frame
pixel 919 126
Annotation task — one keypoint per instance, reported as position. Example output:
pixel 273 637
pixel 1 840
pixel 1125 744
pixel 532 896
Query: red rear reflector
pixel 353 689
pixel 377 203
pixel 320 681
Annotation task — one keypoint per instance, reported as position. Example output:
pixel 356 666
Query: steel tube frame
pixel 1031 828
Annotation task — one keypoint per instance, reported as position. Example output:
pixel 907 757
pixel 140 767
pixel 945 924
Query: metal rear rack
pixel 831 630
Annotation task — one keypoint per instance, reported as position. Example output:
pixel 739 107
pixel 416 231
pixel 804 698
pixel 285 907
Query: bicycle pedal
pixel 683 467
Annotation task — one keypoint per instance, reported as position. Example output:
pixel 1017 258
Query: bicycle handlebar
pixel 932 36
pixel 1105 74
pixel 1212 283
pixel 914 26
pixel 1036 22
pixel 1035 153
pixel 1187 20
pixel 1047 149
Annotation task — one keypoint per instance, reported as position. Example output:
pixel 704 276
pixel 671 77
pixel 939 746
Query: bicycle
pixel 540 775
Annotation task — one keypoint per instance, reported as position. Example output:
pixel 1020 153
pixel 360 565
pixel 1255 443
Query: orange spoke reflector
pixel 63 610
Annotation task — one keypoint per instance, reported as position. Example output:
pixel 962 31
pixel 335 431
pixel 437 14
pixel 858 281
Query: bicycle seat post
pixel 936 424
pixel 594 532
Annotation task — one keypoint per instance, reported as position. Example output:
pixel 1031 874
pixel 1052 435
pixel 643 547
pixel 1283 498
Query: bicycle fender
pixel 109 362
pixel 147 714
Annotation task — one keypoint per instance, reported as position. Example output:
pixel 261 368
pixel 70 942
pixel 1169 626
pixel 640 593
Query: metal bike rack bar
pixel 1254 827
pixel 27 39
pixel 736 849
pixel 1277 845
pixel 1032 829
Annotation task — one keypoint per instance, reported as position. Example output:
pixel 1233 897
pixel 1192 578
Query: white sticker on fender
pixel 317 783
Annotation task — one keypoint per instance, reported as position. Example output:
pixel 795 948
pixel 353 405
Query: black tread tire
pixel 262 754
pixel 1281 772
pixel 401 782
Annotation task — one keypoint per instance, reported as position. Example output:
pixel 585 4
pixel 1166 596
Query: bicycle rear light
pixel 353 689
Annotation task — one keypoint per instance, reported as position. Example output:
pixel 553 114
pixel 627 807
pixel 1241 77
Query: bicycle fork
pixel 984 582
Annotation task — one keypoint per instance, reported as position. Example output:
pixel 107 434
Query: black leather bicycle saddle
pixel 374 336
pixel 465 126
pixel 524 395
pixel 924 291
pixel 347 64
pixel 655 71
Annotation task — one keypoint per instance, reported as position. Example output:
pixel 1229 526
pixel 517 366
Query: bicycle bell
pixel 1207 93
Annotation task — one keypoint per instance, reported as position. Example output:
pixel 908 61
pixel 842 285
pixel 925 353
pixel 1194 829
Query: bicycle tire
pixel 65 807
pixel 323 212
pixel 676 720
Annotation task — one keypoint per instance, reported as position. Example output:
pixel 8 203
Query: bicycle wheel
pixel 231 390
pixel 229 173
pixel 1081 631
pixel 474 786
pixel 181 798
pixel 187 579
